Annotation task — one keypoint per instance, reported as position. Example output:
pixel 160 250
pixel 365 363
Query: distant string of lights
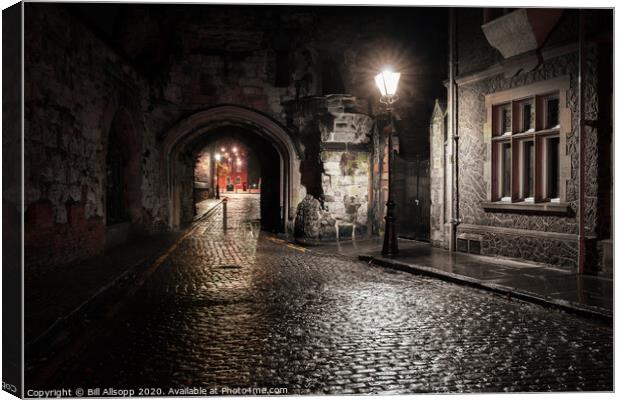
pixel 226 156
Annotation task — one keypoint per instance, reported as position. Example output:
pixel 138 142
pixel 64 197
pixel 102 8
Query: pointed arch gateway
pixel 204 123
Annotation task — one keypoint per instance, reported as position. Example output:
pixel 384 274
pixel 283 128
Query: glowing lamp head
pixel 238 161
pixel 223 149
pixel 387 82
pixel 234 149
pixel 218 157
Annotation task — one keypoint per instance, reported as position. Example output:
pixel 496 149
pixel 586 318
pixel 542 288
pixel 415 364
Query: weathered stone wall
pixel 12 195
pixel 221 62
pixel 74 88
pixel 346 182
pixel 203 183
pixel 254 57
pixel 342 155
pixel 346 173
pixel 263 57
pixel 202 169
pixel 473 153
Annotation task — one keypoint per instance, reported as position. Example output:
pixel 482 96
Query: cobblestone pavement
pixel 205 205
pixel 241 309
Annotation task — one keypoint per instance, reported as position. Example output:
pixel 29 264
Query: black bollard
pixel 224 201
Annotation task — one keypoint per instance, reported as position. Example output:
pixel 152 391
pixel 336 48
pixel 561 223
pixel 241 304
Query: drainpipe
pixel 581 259
pixel 457 215
pixel 453 129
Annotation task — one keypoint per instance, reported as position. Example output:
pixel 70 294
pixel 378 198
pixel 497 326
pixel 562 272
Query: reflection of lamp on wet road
pixel 387 82
pixel 217 175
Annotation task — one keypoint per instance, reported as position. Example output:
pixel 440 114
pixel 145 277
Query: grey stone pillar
pixel 439 214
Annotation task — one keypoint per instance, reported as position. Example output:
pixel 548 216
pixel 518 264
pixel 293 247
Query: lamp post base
pixel 390 239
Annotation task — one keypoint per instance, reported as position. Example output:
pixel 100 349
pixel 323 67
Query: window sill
pixel 539 208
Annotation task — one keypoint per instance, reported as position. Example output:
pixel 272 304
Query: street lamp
pixel 387 82
pixel 217 175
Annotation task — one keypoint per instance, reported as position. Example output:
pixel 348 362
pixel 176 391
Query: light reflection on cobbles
pixel 239 310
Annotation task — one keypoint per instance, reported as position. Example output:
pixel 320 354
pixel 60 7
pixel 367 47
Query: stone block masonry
pixel 75 87
pixel 532 234
pixel 345 184
pixel 473 187
pixel 344 154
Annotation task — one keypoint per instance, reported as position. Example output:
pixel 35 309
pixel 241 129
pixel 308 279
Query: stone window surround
pixel 559 85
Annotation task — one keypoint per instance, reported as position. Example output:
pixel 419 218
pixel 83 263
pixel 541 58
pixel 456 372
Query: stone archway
pixel 204 122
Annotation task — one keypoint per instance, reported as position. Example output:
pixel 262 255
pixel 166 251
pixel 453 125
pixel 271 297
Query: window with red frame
pixel 526 149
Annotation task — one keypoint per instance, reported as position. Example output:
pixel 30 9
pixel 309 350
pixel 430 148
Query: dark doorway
pixel 116 211
pixel 412 196
pixel 123 210
pixel 123 176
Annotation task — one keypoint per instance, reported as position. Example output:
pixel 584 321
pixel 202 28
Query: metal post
pixel 225 211
pixel 390 239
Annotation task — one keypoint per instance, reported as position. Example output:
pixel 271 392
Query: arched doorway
pixel 221 141
pixel 185 137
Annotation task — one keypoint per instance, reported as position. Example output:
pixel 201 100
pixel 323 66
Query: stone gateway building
pixel 121 98
pixel 521 162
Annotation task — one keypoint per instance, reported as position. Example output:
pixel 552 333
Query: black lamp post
pixel 217 175
pixel 387 82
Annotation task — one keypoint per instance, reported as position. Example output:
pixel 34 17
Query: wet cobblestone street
pixel 243 309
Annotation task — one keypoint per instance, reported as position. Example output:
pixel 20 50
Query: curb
pixel 568 306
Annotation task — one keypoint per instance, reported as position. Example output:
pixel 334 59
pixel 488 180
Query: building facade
pixel 521 154
pixel 237 170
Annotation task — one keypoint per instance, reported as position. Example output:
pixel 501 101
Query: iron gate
pixel 411 188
